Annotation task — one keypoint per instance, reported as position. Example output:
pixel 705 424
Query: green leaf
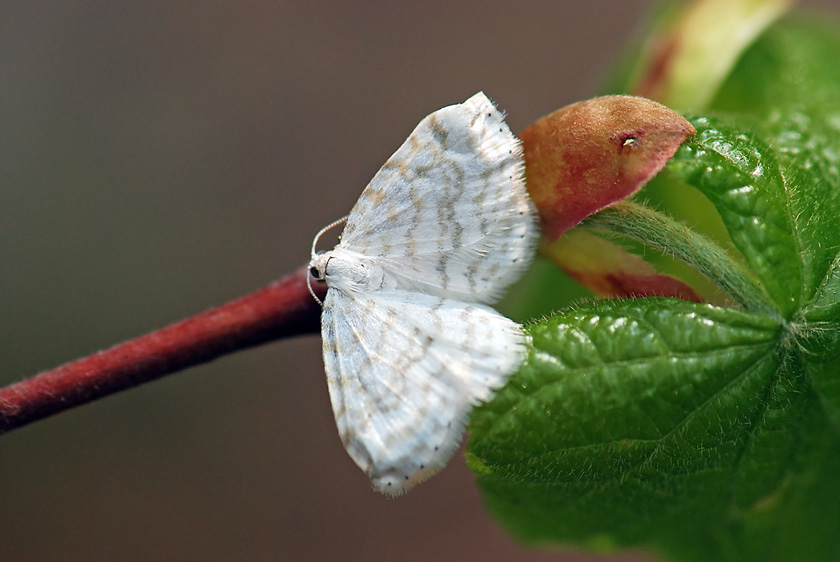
pixel 742 177
pixel 706 433
pixel 800 520
pixel 794 62
pixel 630 414
pixel 809 149
pixel 779 205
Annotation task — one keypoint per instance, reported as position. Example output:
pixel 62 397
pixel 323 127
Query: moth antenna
pixel 323 230
pixel 309 286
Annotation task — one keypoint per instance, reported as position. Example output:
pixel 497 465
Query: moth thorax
pixel 352 274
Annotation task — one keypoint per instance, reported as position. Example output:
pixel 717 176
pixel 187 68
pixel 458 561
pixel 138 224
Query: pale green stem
pixel 697 251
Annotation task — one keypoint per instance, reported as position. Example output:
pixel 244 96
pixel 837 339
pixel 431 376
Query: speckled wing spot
pixel 409 345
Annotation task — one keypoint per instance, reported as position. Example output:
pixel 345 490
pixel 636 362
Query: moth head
pixel 317 270
pixel 318 261
pixel 318 265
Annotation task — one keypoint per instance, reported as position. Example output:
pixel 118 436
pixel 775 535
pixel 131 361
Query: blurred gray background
pixel 160 158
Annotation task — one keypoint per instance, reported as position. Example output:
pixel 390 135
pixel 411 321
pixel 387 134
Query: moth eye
pixel 313 271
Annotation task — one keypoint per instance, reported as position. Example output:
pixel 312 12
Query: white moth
pixel 409 345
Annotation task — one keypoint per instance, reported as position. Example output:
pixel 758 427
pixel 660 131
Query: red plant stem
pixel 284 308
